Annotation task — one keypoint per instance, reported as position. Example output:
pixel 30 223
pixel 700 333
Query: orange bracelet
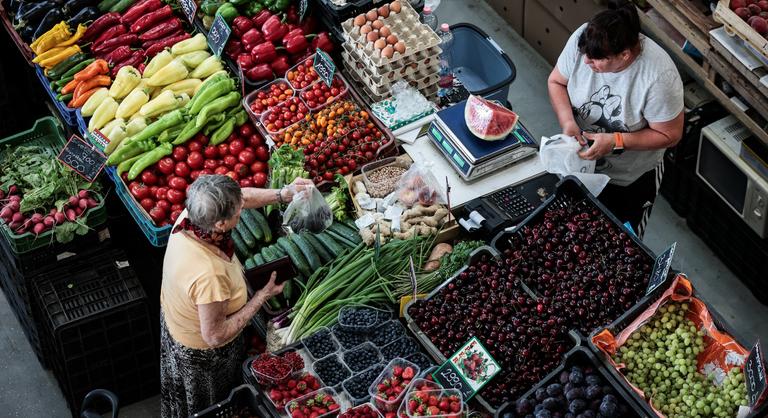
pixel 619 140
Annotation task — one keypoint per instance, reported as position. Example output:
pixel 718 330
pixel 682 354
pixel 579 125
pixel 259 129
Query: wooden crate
pixel 692 23
pixel 737 27
pixel 753 76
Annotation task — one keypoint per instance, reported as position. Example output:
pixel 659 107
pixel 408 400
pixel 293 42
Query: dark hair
pixel 611 31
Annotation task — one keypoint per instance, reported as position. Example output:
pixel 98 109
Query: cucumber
pixel 274 303
pixel 344 230
pixel 306 249
pixel 258 259
pixel 268 254
pixel 330 244
pixel 295 254
pixel 279 251
pixel 261 221
pixel 249 264
pixel 240 247
pixel 321 251
pixel 250 222
pixel 246 235
pixel 340 239
pixel 288 290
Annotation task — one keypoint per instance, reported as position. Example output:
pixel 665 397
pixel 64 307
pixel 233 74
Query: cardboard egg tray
pixel 420 78
pixel 428 90
pixel 406 26
pixel 426 57
pixel 352 60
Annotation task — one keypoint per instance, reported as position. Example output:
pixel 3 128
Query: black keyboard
pixel 511 202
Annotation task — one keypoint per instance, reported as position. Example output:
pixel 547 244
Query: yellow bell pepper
pixel 188 86
pixel 76 37
pixel 136 125
pixel 193 59
pixel 51 60
pixel 195 43
pixel 163 103
pixel 159 61
pixel 211 65
pixel 171 73
pixel 126 80
pixel 103 114
pixel 94 101
pixel 131 104
pixel 57 34
pixel 116 135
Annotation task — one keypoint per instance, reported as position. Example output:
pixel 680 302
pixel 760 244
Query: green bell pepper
pixel 253 8
pixel 209 7
pixel 228 12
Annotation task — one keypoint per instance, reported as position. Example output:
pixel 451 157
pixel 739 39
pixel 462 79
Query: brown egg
pixel 395 6
pixel 380 43
pixel 372 15
pixel 391 39
pixel 359 20
pixel 384 11
pixel 372 36
pixel 377 24
pixel 365 29
pixel 400 47
pixel 385 31
pixel 388 51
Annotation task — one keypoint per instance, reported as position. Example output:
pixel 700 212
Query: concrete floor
pixel 27 390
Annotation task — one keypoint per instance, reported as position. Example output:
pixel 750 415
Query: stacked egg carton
pixel 418 63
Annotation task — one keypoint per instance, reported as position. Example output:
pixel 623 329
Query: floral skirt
pixel 191 380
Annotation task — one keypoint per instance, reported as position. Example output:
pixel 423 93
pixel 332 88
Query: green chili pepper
pixel 223 132
pixel 57 71
pixel 157 127
pixel 127 151
pixel 170 134
pixel 126 165
pixel 211 89
pixel 58 85
pixel 253 8
pixel 228 12
pixel 241 117
pixel 281 5
pixel 148 159
pixel 121 5
pixel 214 124
pixel 239 2
pixel 217 106
pixel 76 69
pixel 64 98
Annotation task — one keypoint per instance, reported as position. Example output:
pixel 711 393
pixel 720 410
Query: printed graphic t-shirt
pixel 649 90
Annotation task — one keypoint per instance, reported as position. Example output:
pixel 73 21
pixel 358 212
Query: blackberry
pixel 400 348
pixel 388 332
pixel 362 357
pixel 320 344
pixel 349 339
pixel 331 370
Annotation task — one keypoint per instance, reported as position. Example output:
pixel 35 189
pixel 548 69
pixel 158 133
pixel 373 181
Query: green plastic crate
pixel 47 132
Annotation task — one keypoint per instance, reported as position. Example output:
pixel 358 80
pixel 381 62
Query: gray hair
pixel 212 198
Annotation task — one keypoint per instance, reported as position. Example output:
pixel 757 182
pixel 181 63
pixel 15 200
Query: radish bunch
pixel 36 222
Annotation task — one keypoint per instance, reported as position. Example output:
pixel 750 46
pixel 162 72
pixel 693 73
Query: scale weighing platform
pixel 471 156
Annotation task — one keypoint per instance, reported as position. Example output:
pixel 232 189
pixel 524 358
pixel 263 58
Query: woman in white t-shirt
pixel 620 93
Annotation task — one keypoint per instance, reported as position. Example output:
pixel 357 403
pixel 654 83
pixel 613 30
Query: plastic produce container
pixel 265 379
pixel 356 387
pixel 252 97
pixel 439 393
pixel 67 113
pixel 378 316
pixel 348 412
pixel 342 86
pixel 332 360
pixel 348 339
pixel 321 336
pixel 379 338
pixel 385 405
pixel 242 399
pixel 480 63
pixel 374 357
pixel 382 187
pixel 322 391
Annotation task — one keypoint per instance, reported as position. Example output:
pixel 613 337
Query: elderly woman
pixel 204 300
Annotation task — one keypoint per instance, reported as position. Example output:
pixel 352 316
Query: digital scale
pixel 471 156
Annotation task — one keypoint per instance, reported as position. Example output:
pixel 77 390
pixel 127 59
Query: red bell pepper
pixel 273 29
pixel 136 58
pixel 110 44
pixel 251 38
pixel 295 44
pixel 280 65
pixel 241 25
pixel 111 33
pixel 322 41
pixel 233 48
pixel 149 20
pixel 292 14
pixel 309 25
pixel 259 72
pixel 161 30
pixel 293 32
pixel 117 55
pixel 245 61
pixel 261 17
pixel 140 9
pixel 100 25
pixel 166 43
pixel 264 52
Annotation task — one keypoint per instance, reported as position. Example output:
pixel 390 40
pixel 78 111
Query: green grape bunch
pixel 660 359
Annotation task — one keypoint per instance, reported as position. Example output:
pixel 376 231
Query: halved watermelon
pixel 487 120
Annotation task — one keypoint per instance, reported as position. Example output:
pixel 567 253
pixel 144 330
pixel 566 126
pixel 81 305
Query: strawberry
pixel 297 414
pixel 334 406
pixel 412 404
pixel 394 381
pixel 443 405
pixel 455 407
pixel 408 373
pixel 301 386
pixel 433 410
pixel 432 400
pixel 291 384
pixel 390 415
pixel 275 395
pixel 398 389
pixel 397 371
pixel 314 415
pixel 421 409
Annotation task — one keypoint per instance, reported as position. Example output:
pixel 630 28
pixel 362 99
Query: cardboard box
pixel 510 10
pixel 543 32
pixel 571 13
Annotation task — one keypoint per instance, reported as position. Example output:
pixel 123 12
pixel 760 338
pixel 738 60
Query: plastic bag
pixel 308 211
pixel 419 185
pixel 560 155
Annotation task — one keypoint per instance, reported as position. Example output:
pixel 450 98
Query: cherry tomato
pixel 206 172
pixel 176 196
pixel 182 169
pixel 211 164
pixel 195 160
pixel 180 153
pixel 247 157
pixel 175 215
pixel 236 146
pixel 259 179
pixel 246 182
pixel 166 165
pixel 161 193
pixel 230 161
pixel 194 174
pixel 241 169
pixel 232 175
pixel 202 139
pixel 211 152
pixel 157 214
pixel 262 153
pixel 177 206
pixel 259 167
pixel 178 183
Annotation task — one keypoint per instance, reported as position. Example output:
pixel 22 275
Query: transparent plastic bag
pixel 560 155
pixel 308 211
pixel 419 185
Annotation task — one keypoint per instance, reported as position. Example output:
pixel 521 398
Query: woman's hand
pixel 271 288
pixel 298 185
pixel 603 145
pixel 572 129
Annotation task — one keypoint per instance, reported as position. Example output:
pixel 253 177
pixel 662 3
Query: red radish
pixel 2 194
pixel 36 218
pixel 73 200
pixel 38 229
pixel 49 221
pixel 71 214
pixel 14 198
pixel 59 218
pixel 14 205
pixel 82 194
pixel 13 190
pixel 18 217
pixel 14 225
pixel 53 211
pixel 92 203
pixel 6 213
pixel 78 211
pixel 83 204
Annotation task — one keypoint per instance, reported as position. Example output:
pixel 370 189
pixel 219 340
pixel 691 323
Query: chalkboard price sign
pixel 755 376
pixel 661 269
pixel 190 9
pixel 82 157
pixel 324 66
pixel 218 35
pixel 303 6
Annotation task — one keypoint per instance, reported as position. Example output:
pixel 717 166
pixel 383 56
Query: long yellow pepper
pixel 76 37
pixel 61 55
pixel 57 34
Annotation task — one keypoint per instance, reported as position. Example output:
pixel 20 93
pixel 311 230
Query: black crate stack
pixel 96 328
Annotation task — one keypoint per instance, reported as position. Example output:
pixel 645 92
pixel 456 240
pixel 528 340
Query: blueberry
pixel 594 392
pixel 609 398
pixel 331 371
pixel 522 407
pixel 577 405
pixel 362 357
pixel 568 386
pixel 587 414
pixel 421 360
pixel 551 404
pixel 554 389
pixel 608 409
pixel 564 377
pixel 388 332
pixel 576 377
pixel 575 393
pixel 541 393
pixel 593 379
pixel 607 390
pixel 402 347
pixel 357 385
pixel 349 339
pixel 358 317
pixel 320 344
pixel 543 414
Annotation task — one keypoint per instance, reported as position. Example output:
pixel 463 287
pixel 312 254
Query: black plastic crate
pixel 243 402
pixel 250 379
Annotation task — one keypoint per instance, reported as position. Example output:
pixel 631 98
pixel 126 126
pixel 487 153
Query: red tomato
pixel 140 191
pixel 194 145
pixel 246 182
pixel 178 206
pixel 195 160
pixel 211 152
pixel 241 169
pixel 180 153
pixel 132 184
pixel 223 149
pixel 262 153
pixel 236 146
pixel 206 172
pixel 211 164
pixel 194 174
pixel 147 203
pixel 157 214
pixel 149 178
pixel 247 157
pixel 259 167
pixel 259 179
pixel 232 175
pixel 161 193
pixel 202 139
pixel 176 196
pixel 182 169
pixel 163 204
pixel 230 161
pixel 178 183
pixel 221 170
pixel 153 190
pixel 246 130
pixel 175 215
pixel 166 165
pixel 255 140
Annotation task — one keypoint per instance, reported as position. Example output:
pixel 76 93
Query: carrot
pixel 70 87
pixel 79 101
pixel 93 69
pixel 98 81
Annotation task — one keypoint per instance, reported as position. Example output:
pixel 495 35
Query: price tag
pixel 82 157
pixel 755 376
pixel 468 370
pixel 413 277
pixel 303 6
pixel 661 269
pixel 190 9
pixel 324 66
pixel 218 35
pixel 99 139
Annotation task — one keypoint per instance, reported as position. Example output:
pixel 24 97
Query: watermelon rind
pixel 487 120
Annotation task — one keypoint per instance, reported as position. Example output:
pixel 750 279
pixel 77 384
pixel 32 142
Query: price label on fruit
pixel 83 157
pixel 754 370
pixel 190 9
pixel 218 35
pixel 99 139
pixel 661 269
pixel 324 67
pixel 468 370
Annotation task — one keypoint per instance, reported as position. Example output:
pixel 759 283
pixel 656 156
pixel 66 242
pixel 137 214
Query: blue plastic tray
pixel 157 236
pixel 67 114
pixel 82 125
